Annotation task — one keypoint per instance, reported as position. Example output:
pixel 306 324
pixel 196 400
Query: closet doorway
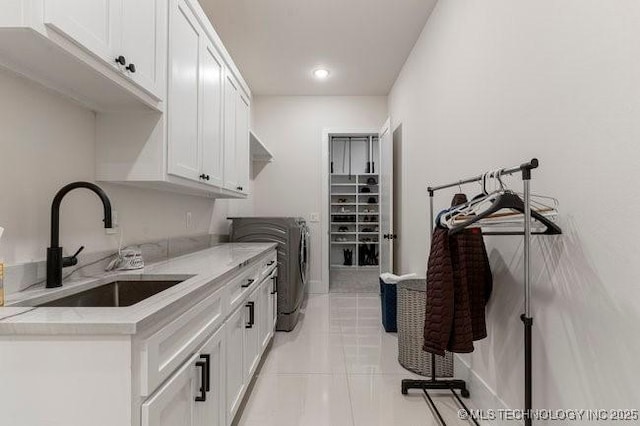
pixel 359 210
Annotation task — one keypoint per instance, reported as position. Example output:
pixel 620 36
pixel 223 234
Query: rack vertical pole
pixel 526 318
pixel 431 227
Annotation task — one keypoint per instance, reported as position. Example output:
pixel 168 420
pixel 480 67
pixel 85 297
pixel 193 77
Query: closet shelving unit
pixel 363 227
pixel 527 320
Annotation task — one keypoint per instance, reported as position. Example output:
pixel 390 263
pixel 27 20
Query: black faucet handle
pixel 72 260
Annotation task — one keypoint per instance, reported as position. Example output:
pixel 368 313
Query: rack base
pixel 433 384
pixel 461 385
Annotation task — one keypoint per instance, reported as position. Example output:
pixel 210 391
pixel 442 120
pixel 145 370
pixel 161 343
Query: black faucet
pixel 55 260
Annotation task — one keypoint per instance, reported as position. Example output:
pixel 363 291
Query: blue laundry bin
pixel 389 299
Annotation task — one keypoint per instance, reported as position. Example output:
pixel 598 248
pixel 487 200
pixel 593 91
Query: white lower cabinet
pixel 172 404
pixel 273 301
pixel 194 395
pixel 266 311
pixel 252 334
pixel 211 410
pixel 235 365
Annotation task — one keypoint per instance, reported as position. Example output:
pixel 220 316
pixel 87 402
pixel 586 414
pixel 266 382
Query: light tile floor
pixel 338 368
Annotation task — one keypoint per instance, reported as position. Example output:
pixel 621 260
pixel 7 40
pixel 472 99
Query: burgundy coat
pixel 459 284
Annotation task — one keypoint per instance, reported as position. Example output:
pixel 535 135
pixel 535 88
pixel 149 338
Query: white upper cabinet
pixel 126 35
pixel 230 111
pixel 212 76
pixel 200 143
pixel 236 137
pixel 242 143
pixel 143 29
pixel 94 25
pixel 195 110
pixel 185 39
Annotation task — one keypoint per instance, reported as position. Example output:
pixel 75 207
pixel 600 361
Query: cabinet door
pixel 242 143
pixel 212 97
pixel 94 25
pixel 265 313
pixel 143 35
pixel 235 383
pixel 185 38
pixel 273 301
pixel 212 411
pixel 230 100
pixel 252 343
pixel 173 403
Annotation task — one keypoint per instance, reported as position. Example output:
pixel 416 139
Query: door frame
pixel 326 208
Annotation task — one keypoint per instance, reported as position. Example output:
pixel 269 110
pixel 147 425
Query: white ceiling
pixel 278 43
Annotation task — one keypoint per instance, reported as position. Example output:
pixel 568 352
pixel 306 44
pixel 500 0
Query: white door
pixel 242 143
pixel 143 23
pixel 251 335
pixel 386 198
pixel 173 403
pixel 211 412
pixel 184 82
pixel 94 25
pixel 230 111
pixel 212 132
pixel 234 328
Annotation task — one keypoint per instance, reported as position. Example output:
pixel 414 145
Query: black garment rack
pixel 452 385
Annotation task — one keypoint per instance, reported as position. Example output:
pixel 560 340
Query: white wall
pixel 292 127
pixel 497 82
pixel 46 142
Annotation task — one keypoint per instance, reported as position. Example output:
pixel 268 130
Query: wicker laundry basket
pixel 412 299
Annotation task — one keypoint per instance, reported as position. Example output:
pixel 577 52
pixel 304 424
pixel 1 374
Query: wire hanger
pixel 488 206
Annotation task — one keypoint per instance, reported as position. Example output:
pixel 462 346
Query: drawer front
pixel 269 264
pixel 165 351
pixel 241 286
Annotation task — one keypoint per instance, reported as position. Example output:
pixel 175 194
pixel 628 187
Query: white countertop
pixel 200 269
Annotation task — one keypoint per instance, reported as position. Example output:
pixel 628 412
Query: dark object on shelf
pixel 344 218
pixel 343 229
pixel 372 200
pixel 342 200
pixel 365 190
pixel 389 302
pixel 367 230
pixel 348 257
pixel 368 255
pixel 372 181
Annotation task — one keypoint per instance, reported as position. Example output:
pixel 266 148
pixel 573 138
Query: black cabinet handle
pixel 203 378
pixel 249 282
pixel 275 284
pixel 202 176
pixel 121 60
pixel 271 263
pixel 207 382
pixel 131 68
pixel 208 177
pixel 239 188
pixel 252 313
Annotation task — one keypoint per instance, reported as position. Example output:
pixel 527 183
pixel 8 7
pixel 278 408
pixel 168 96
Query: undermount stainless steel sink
pixel 114 294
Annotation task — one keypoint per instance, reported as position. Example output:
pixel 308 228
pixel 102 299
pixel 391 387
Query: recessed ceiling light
pixel 321 73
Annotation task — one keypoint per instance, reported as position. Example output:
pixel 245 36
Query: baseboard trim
pixel 483 397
